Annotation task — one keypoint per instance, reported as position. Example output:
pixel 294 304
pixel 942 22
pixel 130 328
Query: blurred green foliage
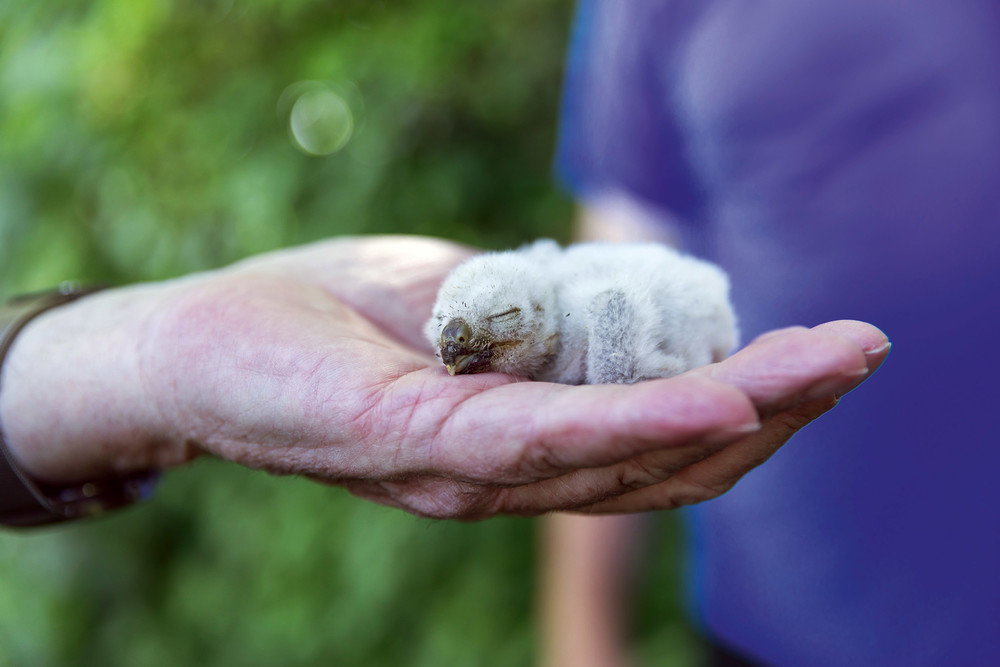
pixel 143 140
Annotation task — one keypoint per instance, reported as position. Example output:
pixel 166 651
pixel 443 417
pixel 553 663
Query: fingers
pixel 716 474
pixel 529 431
pixel 783 368
pixel 583 487
pixel 795 375
pixel 657 480
pixel 871 340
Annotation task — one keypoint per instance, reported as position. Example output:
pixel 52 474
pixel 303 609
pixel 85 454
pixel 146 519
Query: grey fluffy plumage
pixel 592 313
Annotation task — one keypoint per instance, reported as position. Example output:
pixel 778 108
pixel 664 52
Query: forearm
pixel 74 403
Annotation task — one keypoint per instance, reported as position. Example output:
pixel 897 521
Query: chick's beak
pixel 458 351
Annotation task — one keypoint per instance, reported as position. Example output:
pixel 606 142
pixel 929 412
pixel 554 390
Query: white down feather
pixel 590 313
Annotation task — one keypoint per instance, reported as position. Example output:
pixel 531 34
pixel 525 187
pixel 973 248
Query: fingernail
pixel 837 386
pixel 881 348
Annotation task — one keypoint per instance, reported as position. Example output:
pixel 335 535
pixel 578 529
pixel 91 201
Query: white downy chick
pixel 593 313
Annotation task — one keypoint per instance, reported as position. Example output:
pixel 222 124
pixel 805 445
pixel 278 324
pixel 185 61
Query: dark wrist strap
pixel 27 502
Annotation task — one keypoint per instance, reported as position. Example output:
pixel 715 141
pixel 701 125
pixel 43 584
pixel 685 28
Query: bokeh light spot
pixel 321 121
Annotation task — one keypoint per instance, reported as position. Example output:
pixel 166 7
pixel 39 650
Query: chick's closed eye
pixel 507 316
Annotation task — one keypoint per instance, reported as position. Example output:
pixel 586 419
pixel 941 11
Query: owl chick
pixel 593 313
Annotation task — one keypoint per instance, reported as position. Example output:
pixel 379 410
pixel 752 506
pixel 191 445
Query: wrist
pixel 72 399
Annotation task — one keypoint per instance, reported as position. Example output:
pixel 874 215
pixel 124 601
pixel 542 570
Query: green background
pixel 144 140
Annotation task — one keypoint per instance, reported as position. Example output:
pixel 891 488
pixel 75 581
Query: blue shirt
pixel 841 159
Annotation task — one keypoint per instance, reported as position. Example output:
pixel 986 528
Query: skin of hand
pixel 311 362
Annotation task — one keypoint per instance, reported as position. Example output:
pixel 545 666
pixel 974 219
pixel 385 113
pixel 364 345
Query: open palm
pixel 311 362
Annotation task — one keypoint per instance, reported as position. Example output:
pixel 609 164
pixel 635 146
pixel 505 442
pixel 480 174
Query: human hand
pixel 311 362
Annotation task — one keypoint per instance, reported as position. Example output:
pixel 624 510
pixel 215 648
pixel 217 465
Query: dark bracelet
pixel 28 502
